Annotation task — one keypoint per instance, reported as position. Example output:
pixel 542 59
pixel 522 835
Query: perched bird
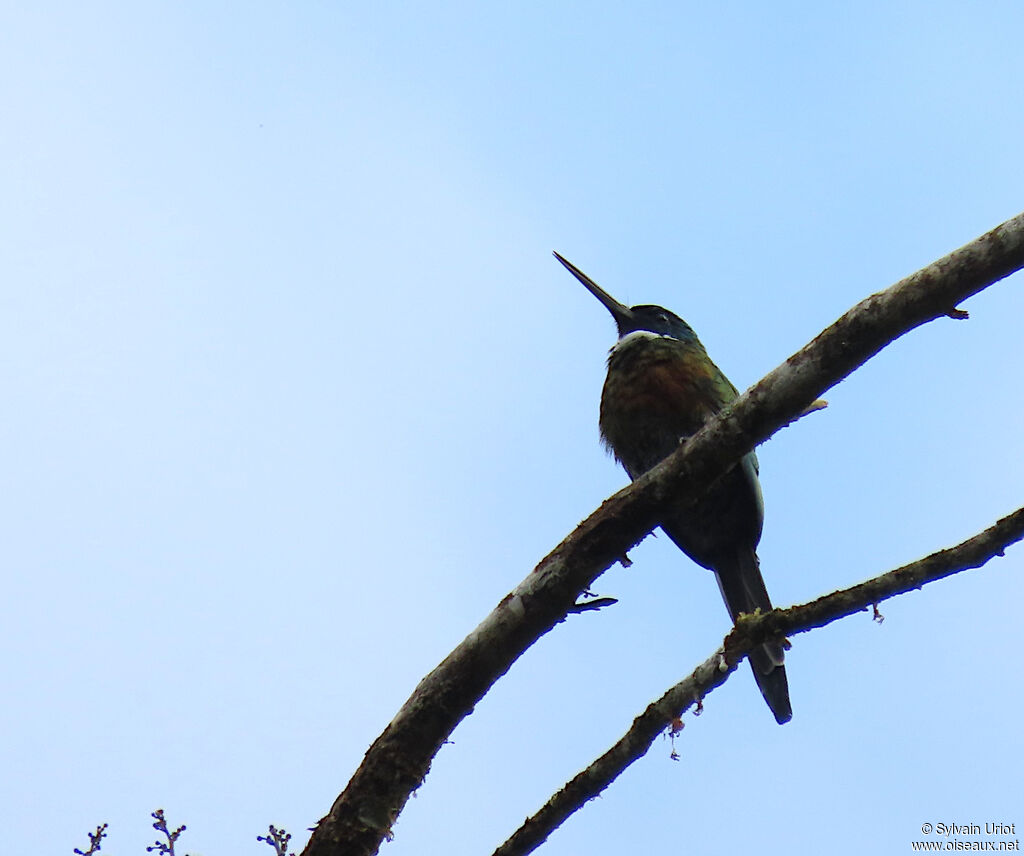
pixel 660 389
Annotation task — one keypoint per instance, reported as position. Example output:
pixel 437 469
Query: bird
pixel 661 388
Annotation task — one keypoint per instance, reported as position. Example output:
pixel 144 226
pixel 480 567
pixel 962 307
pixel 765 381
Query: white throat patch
pixel 635 336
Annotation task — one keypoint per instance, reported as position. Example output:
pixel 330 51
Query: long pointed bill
pixel 623 315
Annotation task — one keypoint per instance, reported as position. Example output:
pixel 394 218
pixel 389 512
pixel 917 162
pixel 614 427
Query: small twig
pixel 95 839
pixel 588 605
pixel 276 838
pixel 813 407
pixel 164 848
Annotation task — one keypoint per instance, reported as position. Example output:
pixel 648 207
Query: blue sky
pixel 296 393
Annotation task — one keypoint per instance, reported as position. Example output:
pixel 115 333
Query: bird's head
pixel 631 319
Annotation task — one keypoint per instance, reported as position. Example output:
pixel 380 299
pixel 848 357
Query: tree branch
pixel 750 632
pixel 398 760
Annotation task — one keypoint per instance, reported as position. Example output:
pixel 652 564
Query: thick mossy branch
pixel 397 762
pixel 752 630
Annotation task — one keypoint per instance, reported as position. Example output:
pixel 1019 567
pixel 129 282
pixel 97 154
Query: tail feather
pixel 743 589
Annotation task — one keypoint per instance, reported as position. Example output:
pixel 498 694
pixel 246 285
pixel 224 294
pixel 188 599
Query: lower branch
pixel 751 631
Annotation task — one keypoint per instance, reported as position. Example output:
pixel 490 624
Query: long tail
pixel 742 587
